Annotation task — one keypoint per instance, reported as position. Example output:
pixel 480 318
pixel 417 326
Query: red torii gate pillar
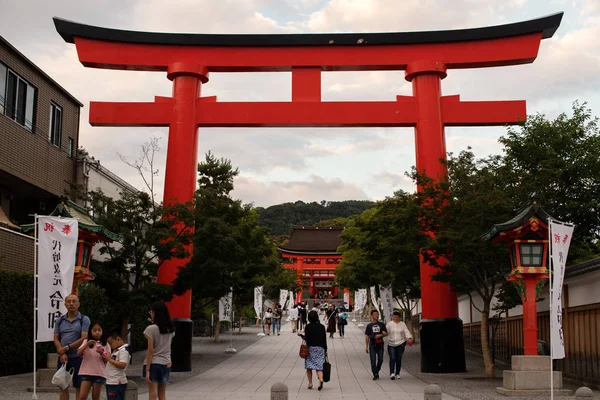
pixel 425 56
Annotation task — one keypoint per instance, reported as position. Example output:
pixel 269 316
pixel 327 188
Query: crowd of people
pixel 99 358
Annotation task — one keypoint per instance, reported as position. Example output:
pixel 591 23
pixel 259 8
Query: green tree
pixel 149 235
pixel 232 252
pixel 557 163
pixel 459 212
pixel 381 247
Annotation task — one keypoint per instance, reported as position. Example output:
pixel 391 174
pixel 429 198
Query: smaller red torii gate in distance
pixel 424 56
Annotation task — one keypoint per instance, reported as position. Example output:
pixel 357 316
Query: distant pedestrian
pixel 268 320
pixel 342 321
pixel 331 320
pixel 398 336
pixel 92 371
pixel 70 330
pixel 294 317
pixel 157 365
pixel 277 320
pixel 316 340
pixel 302 315
pixel 116 366
pixel 374 334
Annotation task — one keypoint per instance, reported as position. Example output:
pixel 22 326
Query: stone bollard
pixel 131 393
pixel 432 392
pixel 584 392
pixel 279 391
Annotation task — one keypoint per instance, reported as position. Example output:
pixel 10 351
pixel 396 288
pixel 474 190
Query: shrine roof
pixel 73 210
pixel 583 268
pixel 522 216
pixel 548 25
pixel 313 240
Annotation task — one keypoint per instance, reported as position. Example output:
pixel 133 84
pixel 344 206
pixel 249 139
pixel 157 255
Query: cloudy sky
pixel 279 165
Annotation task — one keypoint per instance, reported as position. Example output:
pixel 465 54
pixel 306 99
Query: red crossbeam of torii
pixel 424 56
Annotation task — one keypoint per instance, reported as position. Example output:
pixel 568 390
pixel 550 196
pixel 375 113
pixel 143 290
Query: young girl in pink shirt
pixel 92 373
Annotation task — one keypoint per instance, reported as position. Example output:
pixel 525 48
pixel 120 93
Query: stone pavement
pixel 251 373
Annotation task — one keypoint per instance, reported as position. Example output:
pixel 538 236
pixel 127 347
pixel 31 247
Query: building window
pixel 70 149
pixel 17 97
pixel 55 124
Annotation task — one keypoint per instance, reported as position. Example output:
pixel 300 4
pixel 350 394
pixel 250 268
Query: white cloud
pixel 316 188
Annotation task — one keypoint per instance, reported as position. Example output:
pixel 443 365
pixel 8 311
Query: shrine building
pixel 313 253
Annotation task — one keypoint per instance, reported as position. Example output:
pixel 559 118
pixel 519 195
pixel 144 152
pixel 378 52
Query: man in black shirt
pixel 374 335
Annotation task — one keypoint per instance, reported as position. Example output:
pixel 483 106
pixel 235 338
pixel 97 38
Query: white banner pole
pixel 550 274
pixel 35 274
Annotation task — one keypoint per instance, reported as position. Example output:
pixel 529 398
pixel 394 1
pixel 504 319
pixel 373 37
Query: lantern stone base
pixel 530 376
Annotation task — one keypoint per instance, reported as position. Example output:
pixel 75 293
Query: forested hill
pixel 280 218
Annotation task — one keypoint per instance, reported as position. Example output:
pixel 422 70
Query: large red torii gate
pixel 425 57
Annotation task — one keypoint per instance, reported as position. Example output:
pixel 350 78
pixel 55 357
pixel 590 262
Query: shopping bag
pixel 303 350
pixel 326 370
pixel 63 378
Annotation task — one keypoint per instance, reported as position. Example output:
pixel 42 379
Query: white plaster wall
pixel 584 289
pixel 464 309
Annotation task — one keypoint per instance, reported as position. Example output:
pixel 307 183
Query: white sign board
pixel 57 247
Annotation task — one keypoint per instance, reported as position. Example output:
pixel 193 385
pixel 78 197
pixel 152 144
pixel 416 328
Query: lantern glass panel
pixel 531 254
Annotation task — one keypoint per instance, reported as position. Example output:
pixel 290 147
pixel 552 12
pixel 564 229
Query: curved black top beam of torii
pixel 547 25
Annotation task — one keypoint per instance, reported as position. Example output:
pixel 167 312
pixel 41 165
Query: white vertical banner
pixel 283 293
pixel 57 246
pixel 225 307
pixel 560 238
pixel 362 299
pixel 291 301
pixel 387 299
pixel 346 300
pixel 374 298
pixel 258 301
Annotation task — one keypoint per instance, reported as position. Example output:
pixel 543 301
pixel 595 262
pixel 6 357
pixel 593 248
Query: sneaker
pixel 375 377
pixel 392 376
pixel 397 376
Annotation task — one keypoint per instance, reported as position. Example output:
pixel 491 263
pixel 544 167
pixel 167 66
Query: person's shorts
pixel 92 378
pixel 75 363
pixel 116 392
pixel 159 373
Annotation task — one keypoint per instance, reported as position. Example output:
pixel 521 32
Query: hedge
pixel 16 322
pixel 16 325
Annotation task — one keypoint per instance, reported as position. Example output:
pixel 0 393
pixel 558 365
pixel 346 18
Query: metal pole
pixel 35 274
pixel 550 274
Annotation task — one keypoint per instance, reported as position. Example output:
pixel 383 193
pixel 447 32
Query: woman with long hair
pixel 157 365
pixel 316 340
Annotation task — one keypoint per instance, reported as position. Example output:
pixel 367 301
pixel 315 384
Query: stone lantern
pixel 527 238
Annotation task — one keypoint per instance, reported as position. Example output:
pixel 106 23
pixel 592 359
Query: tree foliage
pixel 231 250
pixel 381 247
pixel 280 218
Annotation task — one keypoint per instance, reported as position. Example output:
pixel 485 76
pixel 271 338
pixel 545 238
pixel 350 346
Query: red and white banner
pixel 346 299
pixel 361 299
pixel 560 239
pixel 57 247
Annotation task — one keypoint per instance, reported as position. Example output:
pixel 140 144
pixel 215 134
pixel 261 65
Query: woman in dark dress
pixel 316 340
pixel 331 321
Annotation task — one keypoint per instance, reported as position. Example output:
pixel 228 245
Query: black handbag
pixel 326 370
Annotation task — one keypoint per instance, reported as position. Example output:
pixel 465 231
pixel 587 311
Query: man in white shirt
pixel 398 336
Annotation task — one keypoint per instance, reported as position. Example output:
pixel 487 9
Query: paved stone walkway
pixel 251 373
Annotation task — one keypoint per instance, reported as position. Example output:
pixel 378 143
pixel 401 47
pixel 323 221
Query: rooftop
pixel 313 240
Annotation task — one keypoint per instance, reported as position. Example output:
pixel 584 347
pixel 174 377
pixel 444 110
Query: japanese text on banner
pixel 57 247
